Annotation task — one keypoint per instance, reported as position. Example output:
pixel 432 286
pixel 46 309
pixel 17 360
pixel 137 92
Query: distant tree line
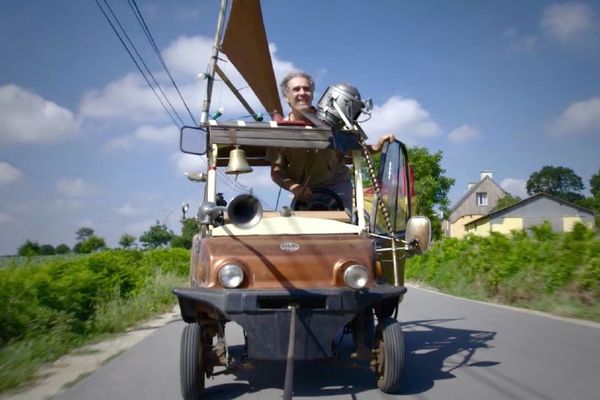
pixel 562 183
pixel 431 184
pixel 157 236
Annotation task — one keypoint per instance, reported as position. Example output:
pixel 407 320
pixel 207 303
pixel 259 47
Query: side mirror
pixel 418 234
pixel 192 140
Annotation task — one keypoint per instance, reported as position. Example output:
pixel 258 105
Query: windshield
pixel 392 178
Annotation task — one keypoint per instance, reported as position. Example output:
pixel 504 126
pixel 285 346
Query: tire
pixel 389 354
pixel 191 367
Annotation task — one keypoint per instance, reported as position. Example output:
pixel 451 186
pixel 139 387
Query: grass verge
pixel 22 355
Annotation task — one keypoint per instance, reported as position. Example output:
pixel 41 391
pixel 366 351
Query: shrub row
pixel 65 293
pixel 50 305
pixel 556 272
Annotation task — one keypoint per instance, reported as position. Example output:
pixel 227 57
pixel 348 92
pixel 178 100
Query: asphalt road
pixel 456 349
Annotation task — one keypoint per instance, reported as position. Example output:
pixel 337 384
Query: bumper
pixel 264 315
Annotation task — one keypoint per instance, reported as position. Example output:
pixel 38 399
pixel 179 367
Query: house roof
pixel 530 200
pixel 471 191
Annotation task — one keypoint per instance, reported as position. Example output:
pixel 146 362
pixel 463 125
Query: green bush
pixel 47 307
pixel 555 272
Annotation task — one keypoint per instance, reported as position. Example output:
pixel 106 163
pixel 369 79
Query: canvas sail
pixel 245 44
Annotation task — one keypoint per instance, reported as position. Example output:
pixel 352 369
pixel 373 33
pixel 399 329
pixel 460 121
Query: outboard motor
pixel 341 105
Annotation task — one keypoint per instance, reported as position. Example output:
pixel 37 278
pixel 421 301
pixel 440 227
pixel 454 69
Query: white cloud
pixel 70 204
pixel 262 186
pixel 88 223
pixel 189 163
pixel 568 21
pixel 403 117
pixel 464 133
pixel 128 210
pixel 119 143
pixel 259 178
pixel 138 228
pixel 74 187
pixel 188 55
pixel 516 187
pixel 9 174
pixel 4 218
pixel 280 67
pixel 26 117
pixel 579 118
pixel 130 98
pixel 146 133
pixel 520 42
pixel 149 133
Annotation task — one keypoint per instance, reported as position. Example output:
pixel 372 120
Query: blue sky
pixel 505 86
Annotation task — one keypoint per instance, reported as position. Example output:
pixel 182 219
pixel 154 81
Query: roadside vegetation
pixel 538 269
pixel 53 305
pixel 56 298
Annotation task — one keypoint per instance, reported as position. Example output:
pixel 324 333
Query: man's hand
pixel 389 138
pixel 301 192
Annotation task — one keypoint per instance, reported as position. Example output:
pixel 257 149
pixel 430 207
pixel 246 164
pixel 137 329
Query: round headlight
pixel 231 275
pixel 356 276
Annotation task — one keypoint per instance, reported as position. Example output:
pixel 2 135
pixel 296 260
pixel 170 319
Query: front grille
pixel 279 303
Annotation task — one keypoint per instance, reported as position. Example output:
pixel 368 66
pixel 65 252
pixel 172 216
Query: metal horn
pixel 244 211
pixel 237 162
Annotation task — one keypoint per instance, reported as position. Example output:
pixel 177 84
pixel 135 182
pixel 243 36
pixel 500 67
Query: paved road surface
pixel 456 349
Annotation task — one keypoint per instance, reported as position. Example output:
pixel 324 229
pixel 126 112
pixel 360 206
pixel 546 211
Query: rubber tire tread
pixel 191 370
pixel 390 331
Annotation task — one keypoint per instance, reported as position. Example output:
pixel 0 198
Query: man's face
pixel 299 95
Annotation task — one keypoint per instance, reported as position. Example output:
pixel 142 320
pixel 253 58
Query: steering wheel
pixel 322 200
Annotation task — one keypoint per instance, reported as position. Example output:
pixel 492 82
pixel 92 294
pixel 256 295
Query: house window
pixel 481 199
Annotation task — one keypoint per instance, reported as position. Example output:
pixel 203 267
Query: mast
pixel 213 63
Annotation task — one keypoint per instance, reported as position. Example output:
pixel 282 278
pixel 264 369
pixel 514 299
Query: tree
pixel 157 236
pixel 89 245
pixel 83 233
pixel 29 248
pixel 506 201
pixel 189 228
pixel 62 249
pixel 87 241
pixel 431 186
pixel 127 240
pixel 561 182
pixel 595 184
pixel 47 250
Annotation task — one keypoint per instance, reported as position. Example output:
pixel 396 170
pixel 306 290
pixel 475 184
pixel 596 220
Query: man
pixel 300 171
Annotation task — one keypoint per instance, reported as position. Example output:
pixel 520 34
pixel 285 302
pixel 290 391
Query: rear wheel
pixel 388 355
pixel 192 363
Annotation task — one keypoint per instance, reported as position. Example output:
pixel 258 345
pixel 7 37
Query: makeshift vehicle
pixel 298 277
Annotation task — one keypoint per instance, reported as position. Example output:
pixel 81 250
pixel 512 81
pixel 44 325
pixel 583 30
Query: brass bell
pixel 237 162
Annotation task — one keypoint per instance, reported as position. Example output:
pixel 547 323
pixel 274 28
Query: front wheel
pixel 388 355
pixel 192 363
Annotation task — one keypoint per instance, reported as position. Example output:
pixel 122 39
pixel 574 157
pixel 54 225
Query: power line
pixel 226 179
pixel 143 63
pixel 142 22
pixel 137 64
